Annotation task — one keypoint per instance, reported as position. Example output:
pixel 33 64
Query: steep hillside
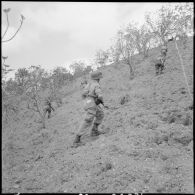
pixel 148 145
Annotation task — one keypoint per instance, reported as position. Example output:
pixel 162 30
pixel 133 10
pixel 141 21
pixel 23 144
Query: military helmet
pixel 96 75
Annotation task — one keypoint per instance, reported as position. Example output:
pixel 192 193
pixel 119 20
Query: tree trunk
pixel 131 71
pixel 129 62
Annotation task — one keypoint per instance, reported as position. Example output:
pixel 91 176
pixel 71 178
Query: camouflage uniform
pixel 94 113
pixel 48 108
pixel 159 65
pixel 164 50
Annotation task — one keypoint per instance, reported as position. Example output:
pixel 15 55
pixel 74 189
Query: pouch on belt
pixel 89 104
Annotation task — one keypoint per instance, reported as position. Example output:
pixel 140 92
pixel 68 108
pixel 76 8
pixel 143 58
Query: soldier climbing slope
pixel 160 62
pixel 48 108
pixel 164 50
pixel 92 96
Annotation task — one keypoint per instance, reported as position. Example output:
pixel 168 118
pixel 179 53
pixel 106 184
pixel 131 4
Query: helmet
pixel 96 75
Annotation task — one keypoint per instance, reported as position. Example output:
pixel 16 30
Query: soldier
pixel 48 108
pixel 159 65
pixel 94 114
pixel 164 50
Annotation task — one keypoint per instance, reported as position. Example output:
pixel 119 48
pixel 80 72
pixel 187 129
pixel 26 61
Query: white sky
pixel 57 33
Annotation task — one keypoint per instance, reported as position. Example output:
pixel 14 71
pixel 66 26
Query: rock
pixel 18 181
pixel 108 166
pixel 165 138
pixel 161 189
pixel 124 99
pixel 16 186
pixel 187 120
pixel 164 157
pixel 183 139
pixel 190 146
pixel 171 119
pixel 152 125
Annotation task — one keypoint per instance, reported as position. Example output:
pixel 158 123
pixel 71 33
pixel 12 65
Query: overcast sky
pixel 58 33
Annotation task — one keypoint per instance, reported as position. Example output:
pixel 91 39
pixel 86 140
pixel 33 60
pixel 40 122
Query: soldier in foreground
pixel 48 108
pixel 92 96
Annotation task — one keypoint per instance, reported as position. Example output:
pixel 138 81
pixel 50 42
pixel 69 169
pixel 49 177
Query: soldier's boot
pixel 94 130
pixel 77 142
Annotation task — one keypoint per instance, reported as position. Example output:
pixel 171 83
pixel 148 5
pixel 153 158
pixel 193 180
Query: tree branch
pixel 7 26
pixel 21 22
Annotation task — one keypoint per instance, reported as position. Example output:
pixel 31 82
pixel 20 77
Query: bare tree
pixel 114 53
pixel 33 93
pixel 60 76
pixel 77 68
pixel 184 21
pixel 22 79
pixel 142 39
pixel 6 11
pixel 101 57
pixel 162 25
pixel 126 47
pixel 34 104
pixel 5 68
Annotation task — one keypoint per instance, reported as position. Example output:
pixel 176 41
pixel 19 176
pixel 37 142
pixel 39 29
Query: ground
pixel 148 145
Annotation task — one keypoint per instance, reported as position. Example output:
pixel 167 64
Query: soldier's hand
pixel 98 101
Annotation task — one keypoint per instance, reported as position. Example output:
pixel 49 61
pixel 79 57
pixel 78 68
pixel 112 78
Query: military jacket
pixel 92 91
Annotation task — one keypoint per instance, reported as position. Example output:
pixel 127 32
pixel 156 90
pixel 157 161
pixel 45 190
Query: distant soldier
pixel 48 108
pixel 94 114
pixel 159 64
pixel 164 50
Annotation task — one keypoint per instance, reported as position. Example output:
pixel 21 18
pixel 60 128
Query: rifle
pixel 105 106
pixel 99 101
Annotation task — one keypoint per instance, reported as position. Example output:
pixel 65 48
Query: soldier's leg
pixel 161 68
pixel 98 120
pixel 88 120
pixel 99 116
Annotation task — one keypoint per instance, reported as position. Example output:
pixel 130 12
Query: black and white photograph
pixel 97 97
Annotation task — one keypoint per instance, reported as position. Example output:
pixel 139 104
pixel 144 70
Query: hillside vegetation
pixel 148 145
